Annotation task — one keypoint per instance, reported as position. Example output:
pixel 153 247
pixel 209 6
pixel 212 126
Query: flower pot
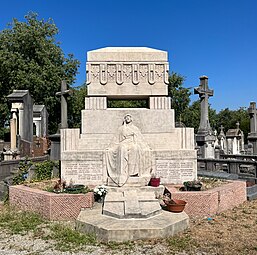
pixel 175 205
pixel 99 199
pixel 193 188
pixel 155 182
pixel 77 188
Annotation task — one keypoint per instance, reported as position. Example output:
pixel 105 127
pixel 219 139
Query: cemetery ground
pixel 231 232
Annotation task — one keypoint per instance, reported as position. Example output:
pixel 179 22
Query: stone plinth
pixel 131 203
pixel 107 228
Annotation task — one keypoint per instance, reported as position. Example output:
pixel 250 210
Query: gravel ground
pixel 229 233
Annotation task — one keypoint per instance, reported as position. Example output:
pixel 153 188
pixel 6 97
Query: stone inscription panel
pixel 84 172
pixel 175 171
pixel 80 156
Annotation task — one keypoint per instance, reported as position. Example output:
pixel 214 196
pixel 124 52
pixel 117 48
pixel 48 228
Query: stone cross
pixel 204 93
pixel 222 130
pixel 64 93
pixel 253 117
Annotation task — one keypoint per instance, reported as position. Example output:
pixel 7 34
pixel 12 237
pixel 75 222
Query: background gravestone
pixel 252 136
pixel 205 137
pixel 22 109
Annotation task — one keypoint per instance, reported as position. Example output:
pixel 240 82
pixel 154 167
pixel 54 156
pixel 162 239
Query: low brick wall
pixel 49 205
pixel 213 201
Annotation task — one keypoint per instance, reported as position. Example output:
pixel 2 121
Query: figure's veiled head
pixel 127 119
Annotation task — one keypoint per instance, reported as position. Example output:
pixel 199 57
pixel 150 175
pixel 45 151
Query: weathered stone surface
pixel 125 72
pixel 131 203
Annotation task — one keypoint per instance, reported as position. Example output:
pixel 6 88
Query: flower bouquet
pixel 99 193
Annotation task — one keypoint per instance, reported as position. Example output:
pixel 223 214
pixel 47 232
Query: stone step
pixel 108 229
pixel 251 192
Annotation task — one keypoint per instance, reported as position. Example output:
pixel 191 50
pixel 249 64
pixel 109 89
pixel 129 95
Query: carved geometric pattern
pixel 159 71
pixel 135 73
pixel 143 69
pixel 95 70
pixel 127 70
pixel 111 73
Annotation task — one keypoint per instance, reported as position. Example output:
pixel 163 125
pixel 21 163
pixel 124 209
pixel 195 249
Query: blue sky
pixel 217 38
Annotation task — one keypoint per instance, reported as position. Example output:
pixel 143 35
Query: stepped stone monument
pixel 92 156
pixel 122 147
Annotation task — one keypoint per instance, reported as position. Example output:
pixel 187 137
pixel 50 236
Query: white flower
pixel 100 190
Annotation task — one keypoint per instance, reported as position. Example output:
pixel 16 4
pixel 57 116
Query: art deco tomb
pixel 90 156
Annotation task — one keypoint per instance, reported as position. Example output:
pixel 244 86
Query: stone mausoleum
pixel 127 73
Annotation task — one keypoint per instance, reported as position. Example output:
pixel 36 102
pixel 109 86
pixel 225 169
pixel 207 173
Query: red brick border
pixel 213 201
pixel 49 205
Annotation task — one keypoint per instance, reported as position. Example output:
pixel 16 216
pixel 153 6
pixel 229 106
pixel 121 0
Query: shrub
pixel 44 170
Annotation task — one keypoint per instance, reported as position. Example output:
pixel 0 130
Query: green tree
pixel 180 96
pixel 228 118
pixel 76 103
pixel 192 115
pixel 30 58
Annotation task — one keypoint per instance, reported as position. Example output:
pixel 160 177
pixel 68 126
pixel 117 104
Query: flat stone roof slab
pixel 136 54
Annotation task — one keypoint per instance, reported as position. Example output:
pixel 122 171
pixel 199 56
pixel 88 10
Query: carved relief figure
pixel 128 156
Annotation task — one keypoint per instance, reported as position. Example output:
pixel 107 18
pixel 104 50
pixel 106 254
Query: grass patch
pixel 68 239
pixel 178 243
pixel 19 222
pixel 118 246
pixel 65 238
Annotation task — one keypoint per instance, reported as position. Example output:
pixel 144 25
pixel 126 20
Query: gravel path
pixel 27 245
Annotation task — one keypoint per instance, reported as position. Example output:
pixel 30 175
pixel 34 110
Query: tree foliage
pixel 31 59
pixel 180 96
pixel 192 115
pixel 228 119
pixel 76 103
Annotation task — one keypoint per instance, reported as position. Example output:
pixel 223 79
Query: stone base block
pixel 158 191
pixel 107 228
pixel 252 192
pixel 131 182
pixel 131 204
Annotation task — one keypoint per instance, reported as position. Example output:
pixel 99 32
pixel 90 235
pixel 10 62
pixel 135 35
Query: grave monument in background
pixel 205 137
pixel 127 73
pixel 21 123
pixel 252 136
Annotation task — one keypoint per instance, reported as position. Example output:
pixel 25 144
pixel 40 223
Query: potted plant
pixel 194 185
pixel 174 205
pixel 59 186
pixel 154 181
pixel 99 193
